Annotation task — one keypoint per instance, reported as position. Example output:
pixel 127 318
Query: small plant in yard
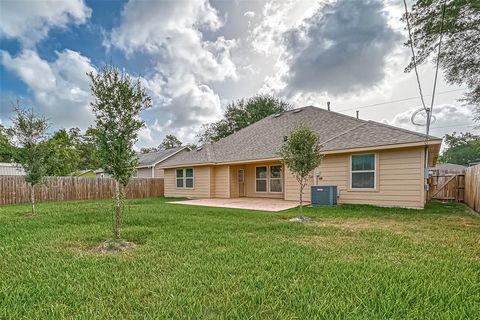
pixel 301 155
pixel 117 106
pixel 30 133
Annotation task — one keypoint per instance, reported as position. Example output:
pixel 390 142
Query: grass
pixel 355 262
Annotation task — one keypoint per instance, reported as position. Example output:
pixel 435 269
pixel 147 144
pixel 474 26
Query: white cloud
pixel 185 64
pixel 59 88
pixel 276 18
pixel 448 118
pixel 249 14
pixel 30 21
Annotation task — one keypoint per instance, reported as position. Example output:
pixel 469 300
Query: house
pixel 370 162
pixel 100 173
pixel 87 173
pixel 149 163
pixel 447 168
pixel 11 169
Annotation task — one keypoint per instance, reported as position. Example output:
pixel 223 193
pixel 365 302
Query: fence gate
pixel 447 187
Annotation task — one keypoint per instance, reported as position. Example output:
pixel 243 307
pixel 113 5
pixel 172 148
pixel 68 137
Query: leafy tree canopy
pixel 148 150
pixel 462 149
pixel 6 144
pixel 459 58
pixel 242 113
pixel 86 145
pixel 170 142
pixel 63 156
pixel 117 106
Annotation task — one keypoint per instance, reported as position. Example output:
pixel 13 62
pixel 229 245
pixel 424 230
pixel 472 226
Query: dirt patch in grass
pixel 113 246
pixel 362 224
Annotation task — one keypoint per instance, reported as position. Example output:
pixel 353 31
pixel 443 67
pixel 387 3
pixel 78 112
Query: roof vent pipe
pixel 285 138
pixel 357 113
pixel 328 105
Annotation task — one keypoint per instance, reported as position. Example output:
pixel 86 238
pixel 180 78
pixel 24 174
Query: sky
pixel 194 57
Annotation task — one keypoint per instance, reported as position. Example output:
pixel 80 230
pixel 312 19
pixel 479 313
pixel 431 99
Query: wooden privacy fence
pixel 472 187
pixel 13 189
pixel 447 187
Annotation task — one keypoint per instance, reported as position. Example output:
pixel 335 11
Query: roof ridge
pixel 404 130
pixel 376 122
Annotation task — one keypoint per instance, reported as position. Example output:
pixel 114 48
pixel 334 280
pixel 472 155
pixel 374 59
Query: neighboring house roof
pixel 11 169
pixel 449 167
pixel 82 172
pixel 152 158
pixel 263 139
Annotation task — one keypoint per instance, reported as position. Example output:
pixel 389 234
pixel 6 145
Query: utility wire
pixel 414 59
pixel 395 101
pixel 456 125
pixel 436 70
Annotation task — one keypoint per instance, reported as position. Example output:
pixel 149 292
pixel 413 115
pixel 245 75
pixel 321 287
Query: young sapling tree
pixel 117 106
pixel 30 133
pixel 301 155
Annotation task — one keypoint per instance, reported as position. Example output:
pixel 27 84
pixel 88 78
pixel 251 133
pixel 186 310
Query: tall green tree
pixel 301 155
pixel 86 145
pixel 63 156
pixel 6 144
pixel 148 150
pixel 30 133
pixel 242 113
pixel 117 106
pixel 459 58
pixel 461 149
pixel 170 142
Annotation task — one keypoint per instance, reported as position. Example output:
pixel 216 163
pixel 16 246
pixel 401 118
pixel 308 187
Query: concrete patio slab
pixel 261 204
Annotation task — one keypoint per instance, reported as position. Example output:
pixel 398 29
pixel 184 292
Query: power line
pixel 456 125
pixel 414 60
pixel 436 69
pixel 395 101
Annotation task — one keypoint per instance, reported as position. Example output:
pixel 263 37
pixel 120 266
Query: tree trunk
pixel 118 212
pixel 32 198
pixel 301 201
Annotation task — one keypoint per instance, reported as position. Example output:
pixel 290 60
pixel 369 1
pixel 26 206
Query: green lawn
pixel 197 262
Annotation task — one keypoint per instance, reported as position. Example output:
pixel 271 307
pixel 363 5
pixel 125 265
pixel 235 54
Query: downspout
pixel 425 174
pixel 153 171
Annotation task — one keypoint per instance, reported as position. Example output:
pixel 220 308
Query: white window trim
pixel 266 179
pixel 375 156
pixel 270 178
pixel 184 178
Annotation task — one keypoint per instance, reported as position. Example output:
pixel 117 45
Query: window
pixel 189 178
pixel 184 178
pixel 275 178
pixel 363 171
pixel 261 179
pixel 179 178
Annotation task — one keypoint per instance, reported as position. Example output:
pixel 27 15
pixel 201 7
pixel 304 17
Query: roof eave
pixel 163 159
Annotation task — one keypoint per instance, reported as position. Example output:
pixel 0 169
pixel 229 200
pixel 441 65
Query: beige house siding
pixel 144 173
pixel 159 173
pixel 222 181
pixel 201 186
pixel 147 172
pixel 399 179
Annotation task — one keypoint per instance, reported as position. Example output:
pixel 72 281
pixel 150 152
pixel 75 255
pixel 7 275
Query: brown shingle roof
pixel 263 139
pixel 152 158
